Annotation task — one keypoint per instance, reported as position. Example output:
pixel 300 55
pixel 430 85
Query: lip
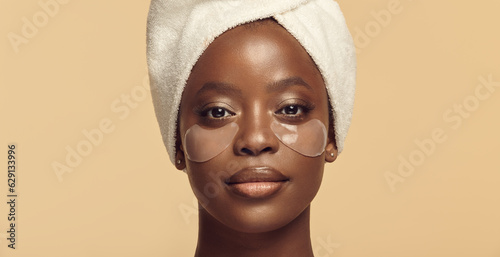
pixel 256 182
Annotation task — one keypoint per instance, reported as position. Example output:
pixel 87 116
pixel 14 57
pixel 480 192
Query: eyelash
pixel 207 113
pixel 302 110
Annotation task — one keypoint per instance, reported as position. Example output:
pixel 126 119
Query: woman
pixel 252 98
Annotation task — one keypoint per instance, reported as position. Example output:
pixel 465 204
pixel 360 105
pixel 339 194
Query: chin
pixel 260 222
pixel 258 217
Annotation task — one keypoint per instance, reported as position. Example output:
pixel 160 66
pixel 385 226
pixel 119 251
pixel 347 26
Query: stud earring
pixel 332 154
pixel 178 161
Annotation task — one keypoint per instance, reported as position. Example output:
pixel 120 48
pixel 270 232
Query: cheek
pixel 307 176
pixel 202 144
pixel 308 139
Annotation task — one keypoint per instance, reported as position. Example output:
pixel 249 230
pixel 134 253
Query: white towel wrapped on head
pixel 179 31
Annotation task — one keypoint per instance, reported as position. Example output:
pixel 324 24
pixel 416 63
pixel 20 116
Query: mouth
pixel 256 182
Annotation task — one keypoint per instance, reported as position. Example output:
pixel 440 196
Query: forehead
pixel 261 51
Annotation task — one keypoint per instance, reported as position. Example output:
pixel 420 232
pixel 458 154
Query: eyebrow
pixel 281 85
pixel 221 88
pixel 228 88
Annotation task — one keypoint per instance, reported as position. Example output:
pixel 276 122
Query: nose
pixel 255 136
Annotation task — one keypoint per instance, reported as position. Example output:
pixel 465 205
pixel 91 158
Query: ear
pixel 331 151
pixel 180 160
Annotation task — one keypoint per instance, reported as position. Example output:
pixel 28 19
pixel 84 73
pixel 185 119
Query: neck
pixel 216 239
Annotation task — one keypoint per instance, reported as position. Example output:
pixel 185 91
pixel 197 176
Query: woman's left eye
pixel 291 110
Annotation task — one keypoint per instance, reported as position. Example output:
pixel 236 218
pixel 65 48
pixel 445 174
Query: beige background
pixel 124 198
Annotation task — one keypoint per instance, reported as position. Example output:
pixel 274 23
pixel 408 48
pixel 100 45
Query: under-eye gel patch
pixel 308 139
pixel 203 144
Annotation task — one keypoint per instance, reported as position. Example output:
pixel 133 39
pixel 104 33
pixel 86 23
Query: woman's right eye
pixel 216 113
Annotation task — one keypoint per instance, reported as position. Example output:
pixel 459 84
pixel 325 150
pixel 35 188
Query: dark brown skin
pixel 250 60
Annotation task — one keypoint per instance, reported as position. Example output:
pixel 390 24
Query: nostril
pixel 247 151
pixel 267 149
pixel 250 152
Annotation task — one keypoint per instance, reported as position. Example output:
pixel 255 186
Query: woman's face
pixel 248 78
